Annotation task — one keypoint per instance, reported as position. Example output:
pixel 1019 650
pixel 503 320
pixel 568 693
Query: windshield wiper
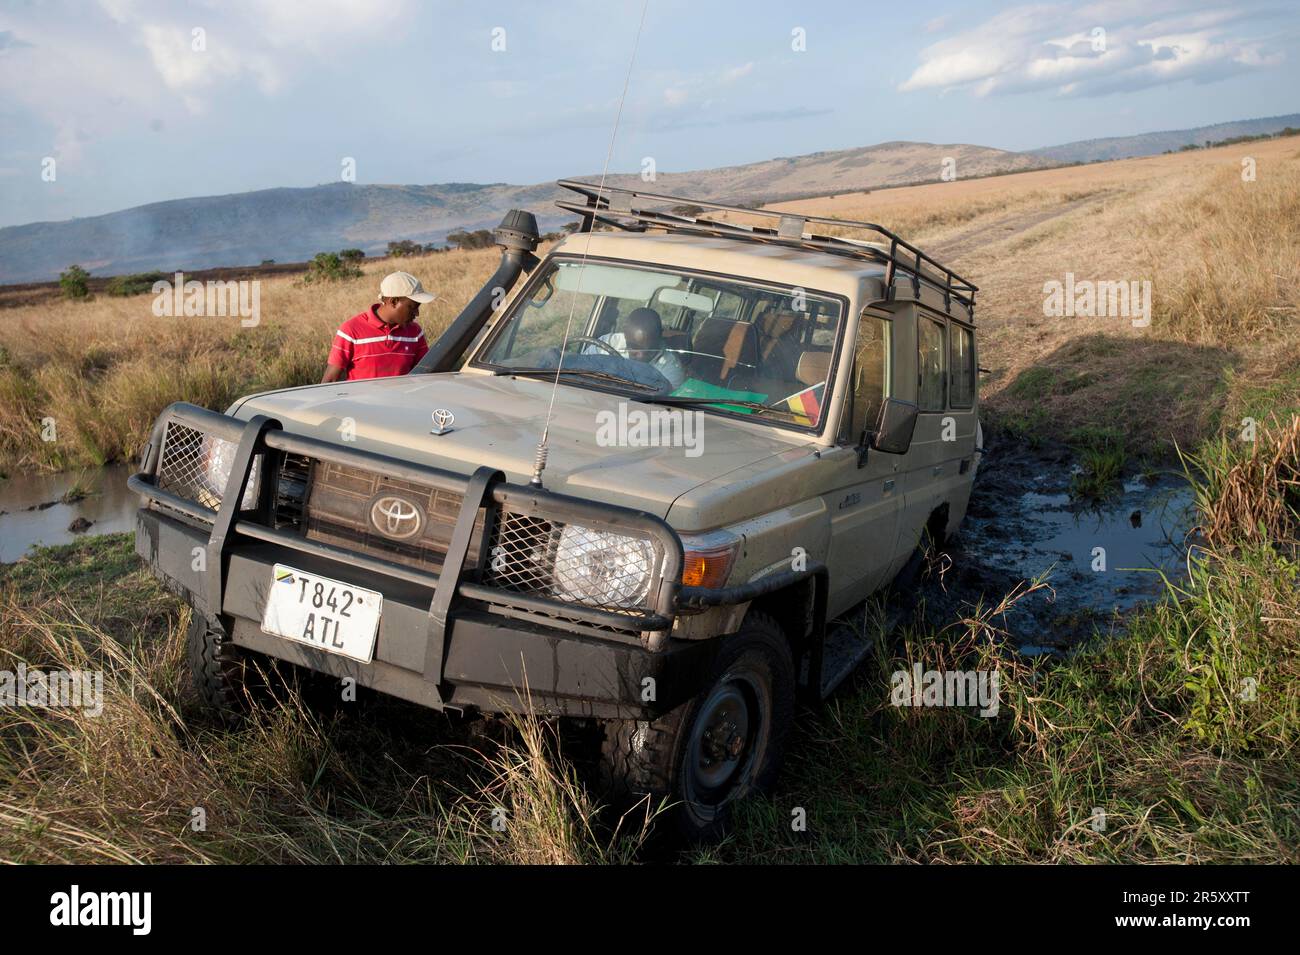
pixel 585 372
pixel 757 406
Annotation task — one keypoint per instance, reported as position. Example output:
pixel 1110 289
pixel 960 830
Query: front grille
pixel 181 468
pixel 571 563
pixel 291 491
pixel 346 506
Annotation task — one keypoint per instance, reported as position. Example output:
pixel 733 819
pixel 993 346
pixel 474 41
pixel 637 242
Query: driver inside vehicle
pixel 642 339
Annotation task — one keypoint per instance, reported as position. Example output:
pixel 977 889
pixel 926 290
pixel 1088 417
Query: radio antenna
pixel 539 459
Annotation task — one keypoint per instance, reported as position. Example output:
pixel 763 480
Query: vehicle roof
pixel 781 264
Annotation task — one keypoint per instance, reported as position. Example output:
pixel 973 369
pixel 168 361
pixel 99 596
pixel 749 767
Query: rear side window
pixel 930 362
pixel 962 363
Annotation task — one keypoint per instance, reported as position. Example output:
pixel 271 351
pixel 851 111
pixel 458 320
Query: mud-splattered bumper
pixel 490 662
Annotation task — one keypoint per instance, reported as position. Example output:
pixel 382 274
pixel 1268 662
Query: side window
pixel 870 373
pixel 962 362
pixel 930 364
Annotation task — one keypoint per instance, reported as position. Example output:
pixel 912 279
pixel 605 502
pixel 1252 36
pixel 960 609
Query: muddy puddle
pixel 1103 559
pixel 45 509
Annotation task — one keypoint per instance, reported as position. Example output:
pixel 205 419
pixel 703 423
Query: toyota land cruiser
pixel 632 488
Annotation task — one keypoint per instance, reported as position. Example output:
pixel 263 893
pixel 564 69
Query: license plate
pixel 323 613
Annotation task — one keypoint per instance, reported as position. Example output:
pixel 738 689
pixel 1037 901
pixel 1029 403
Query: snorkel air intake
pixel 517 235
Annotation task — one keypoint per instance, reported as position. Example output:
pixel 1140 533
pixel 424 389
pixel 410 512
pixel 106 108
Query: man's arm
pixel 340 358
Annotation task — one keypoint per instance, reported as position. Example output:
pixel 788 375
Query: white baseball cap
pixel 404 285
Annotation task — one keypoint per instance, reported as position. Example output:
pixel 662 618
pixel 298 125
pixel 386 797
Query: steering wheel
pixel 596 341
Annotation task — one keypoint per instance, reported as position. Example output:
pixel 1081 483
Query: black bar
pixel 552 608
pixel 231 499
pixel 143 485
pixel 478 494
pixel 366 460
pixel 698 597
pixel 328 551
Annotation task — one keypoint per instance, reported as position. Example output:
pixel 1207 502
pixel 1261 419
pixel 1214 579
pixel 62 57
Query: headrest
pixel 814 367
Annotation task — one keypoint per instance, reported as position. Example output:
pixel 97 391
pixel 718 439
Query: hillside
pixel 1151 144
pixel 293 224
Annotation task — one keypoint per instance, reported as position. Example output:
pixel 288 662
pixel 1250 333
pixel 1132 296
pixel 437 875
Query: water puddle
pixel 1103 560
pixel 1107 557
pixel 45 509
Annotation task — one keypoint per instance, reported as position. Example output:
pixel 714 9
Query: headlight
pixel 218 456
pixel 601 568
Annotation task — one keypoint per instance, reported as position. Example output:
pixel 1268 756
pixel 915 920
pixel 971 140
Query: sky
pixel 138 101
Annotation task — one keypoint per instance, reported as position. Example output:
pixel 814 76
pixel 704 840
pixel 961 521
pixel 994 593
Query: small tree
pixel 478 239
pixel 404 247
pixel 75 282
pixel 352 255
pixel 330 267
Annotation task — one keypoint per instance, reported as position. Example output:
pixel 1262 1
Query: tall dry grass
pixel 104 369
pixel 1227 259
pixel 292 786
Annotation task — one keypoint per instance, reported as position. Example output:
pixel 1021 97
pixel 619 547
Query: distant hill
pixel 1151 144
pixel 294 224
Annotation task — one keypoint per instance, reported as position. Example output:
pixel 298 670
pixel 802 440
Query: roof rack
pixel 631 211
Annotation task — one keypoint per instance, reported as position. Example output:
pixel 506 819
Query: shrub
pixel 136 284
pixel 330 267
pixel 75 282
pixel 406 247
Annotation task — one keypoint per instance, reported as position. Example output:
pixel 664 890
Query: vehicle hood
pixel 498 423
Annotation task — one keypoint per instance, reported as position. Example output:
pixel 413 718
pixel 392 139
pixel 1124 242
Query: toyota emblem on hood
pixel 442 421
pixel 396 517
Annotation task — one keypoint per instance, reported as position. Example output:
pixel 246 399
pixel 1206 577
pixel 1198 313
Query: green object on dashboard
pixel 694 388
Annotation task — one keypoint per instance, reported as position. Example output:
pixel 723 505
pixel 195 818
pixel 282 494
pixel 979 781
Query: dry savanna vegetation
pixel 1181 725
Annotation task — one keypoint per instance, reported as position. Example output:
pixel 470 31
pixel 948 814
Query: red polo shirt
pixel 364 347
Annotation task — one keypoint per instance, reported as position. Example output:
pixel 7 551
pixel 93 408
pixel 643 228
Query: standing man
pixel 385 340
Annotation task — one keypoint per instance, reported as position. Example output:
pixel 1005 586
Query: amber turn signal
pixel 708 566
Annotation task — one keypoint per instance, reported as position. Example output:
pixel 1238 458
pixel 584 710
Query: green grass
pixel 1151 728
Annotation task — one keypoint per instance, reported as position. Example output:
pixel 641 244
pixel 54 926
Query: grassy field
pixel 1174 740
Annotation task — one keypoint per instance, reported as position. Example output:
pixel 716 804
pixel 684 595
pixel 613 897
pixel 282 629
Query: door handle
pixel 889 485
pixel 937 470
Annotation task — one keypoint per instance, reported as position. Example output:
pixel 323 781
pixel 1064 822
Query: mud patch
pixel 1104 560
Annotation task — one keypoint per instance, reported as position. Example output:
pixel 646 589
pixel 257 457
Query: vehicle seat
pixel 722 348
pixel 778 348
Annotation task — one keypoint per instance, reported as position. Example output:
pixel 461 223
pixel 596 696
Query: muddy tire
pixel 228 679
pixel 712 751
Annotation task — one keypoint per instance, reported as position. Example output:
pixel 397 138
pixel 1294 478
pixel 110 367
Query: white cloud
pixel 1093 50
pixel 737 72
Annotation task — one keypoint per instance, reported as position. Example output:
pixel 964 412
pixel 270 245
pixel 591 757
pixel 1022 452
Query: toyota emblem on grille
pixel 442 421
pixel 396 517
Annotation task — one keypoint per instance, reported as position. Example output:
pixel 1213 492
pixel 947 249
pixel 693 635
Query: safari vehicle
pixel 471 537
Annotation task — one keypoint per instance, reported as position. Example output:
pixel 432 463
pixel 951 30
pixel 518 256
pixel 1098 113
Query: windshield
pixel 733 347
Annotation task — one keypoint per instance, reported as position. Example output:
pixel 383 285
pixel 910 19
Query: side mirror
pixel 894 428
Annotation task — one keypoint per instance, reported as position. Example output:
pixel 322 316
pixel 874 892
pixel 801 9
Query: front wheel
pixel 712 751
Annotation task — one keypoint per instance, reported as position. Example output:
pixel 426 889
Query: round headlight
pixel 218 462
pixel 604 569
